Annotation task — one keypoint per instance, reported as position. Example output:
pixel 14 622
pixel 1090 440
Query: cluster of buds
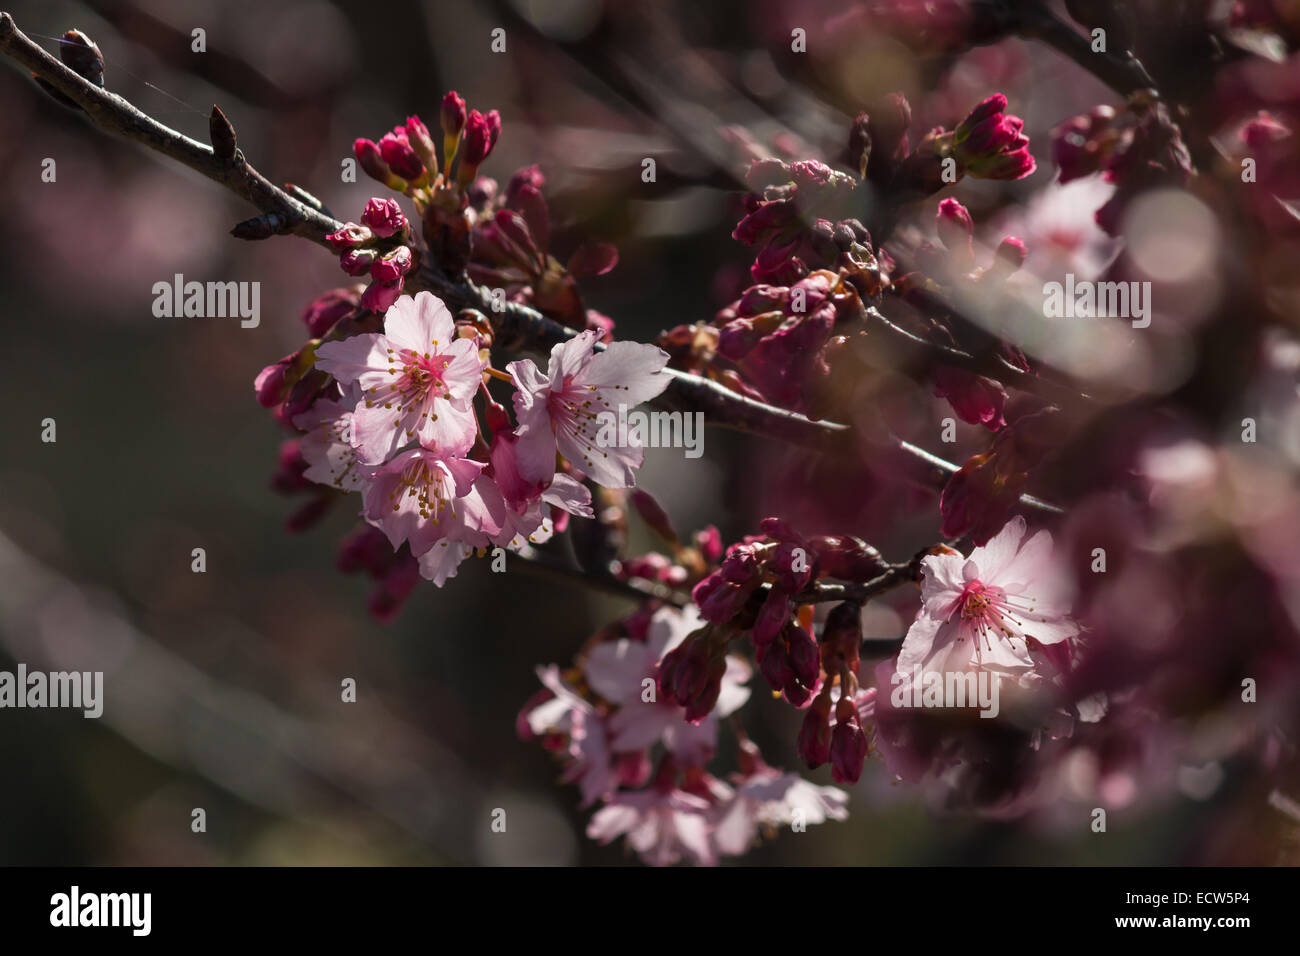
pixel 511 251
pixel 956 232
pixel 990 143
pixel 691 673
pixel 380 247
pixel 777 336
pixel 1138 149
pixel 789 217
pixel 841 742
pixel 757 588
pixel 690 559
pixel 440 179
pixel 408 161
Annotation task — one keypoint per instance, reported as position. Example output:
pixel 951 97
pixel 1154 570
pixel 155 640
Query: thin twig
pixel 113 113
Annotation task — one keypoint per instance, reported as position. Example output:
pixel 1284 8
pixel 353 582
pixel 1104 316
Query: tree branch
pixel 114 114
pixel 1120 70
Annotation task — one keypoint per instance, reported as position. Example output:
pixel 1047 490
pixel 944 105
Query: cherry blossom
pixel 558 410
pixel 770 798
pixel 983 611
pixel 417 379
pixel 663 825
pixel 422 497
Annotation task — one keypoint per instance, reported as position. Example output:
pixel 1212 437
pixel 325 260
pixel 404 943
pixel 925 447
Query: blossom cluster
pixel 398 425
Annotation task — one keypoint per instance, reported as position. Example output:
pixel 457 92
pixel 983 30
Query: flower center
pixel 416 383
pixel 986 609
pixel 427 485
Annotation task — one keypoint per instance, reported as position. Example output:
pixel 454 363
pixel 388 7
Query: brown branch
pixel 1120 70
pixel 114 114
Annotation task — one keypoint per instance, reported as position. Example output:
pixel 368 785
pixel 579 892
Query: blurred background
pixel 223 688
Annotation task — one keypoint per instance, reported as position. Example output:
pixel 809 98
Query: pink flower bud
pixel 775 665
pixel 849 744
pixel 814 743
pixel 349 237
pixel 772 618
pixel 372 162
pixel 992 106
pixel 477 144
pixel 365 549
pixel 740 565
pixel 1262 131
pixel 400 157
pixel 726 601
pixel 792 564
pixel 955 226
pixel 357 262
pixel 990 144
pixel 379 296
pixel 847 558
pixel 653 514
pixel 1011 254
pixel 452 115
pixel 842 637
pixel 384 217
pixel 417 134
pixel 392 590
pixel 701 704
pixel 273 382
pixel 778 529
pixel 392 266
pixel 327 308
pixel 805 657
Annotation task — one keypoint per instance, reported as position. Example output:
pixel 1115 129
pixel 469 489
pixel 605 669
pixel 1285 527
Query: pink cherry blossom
pixel 590 762
pixel 662 825
pixel 525 502
pixel 772 798
pixel 417 378
pixel 330 457
pixel 423 497
pixel 982 611
pixel 441 561
pixel 558 410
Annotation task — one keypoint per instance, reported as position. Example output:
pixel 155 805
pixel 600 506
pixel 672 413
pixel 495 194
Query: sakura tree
pixel 1023 394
